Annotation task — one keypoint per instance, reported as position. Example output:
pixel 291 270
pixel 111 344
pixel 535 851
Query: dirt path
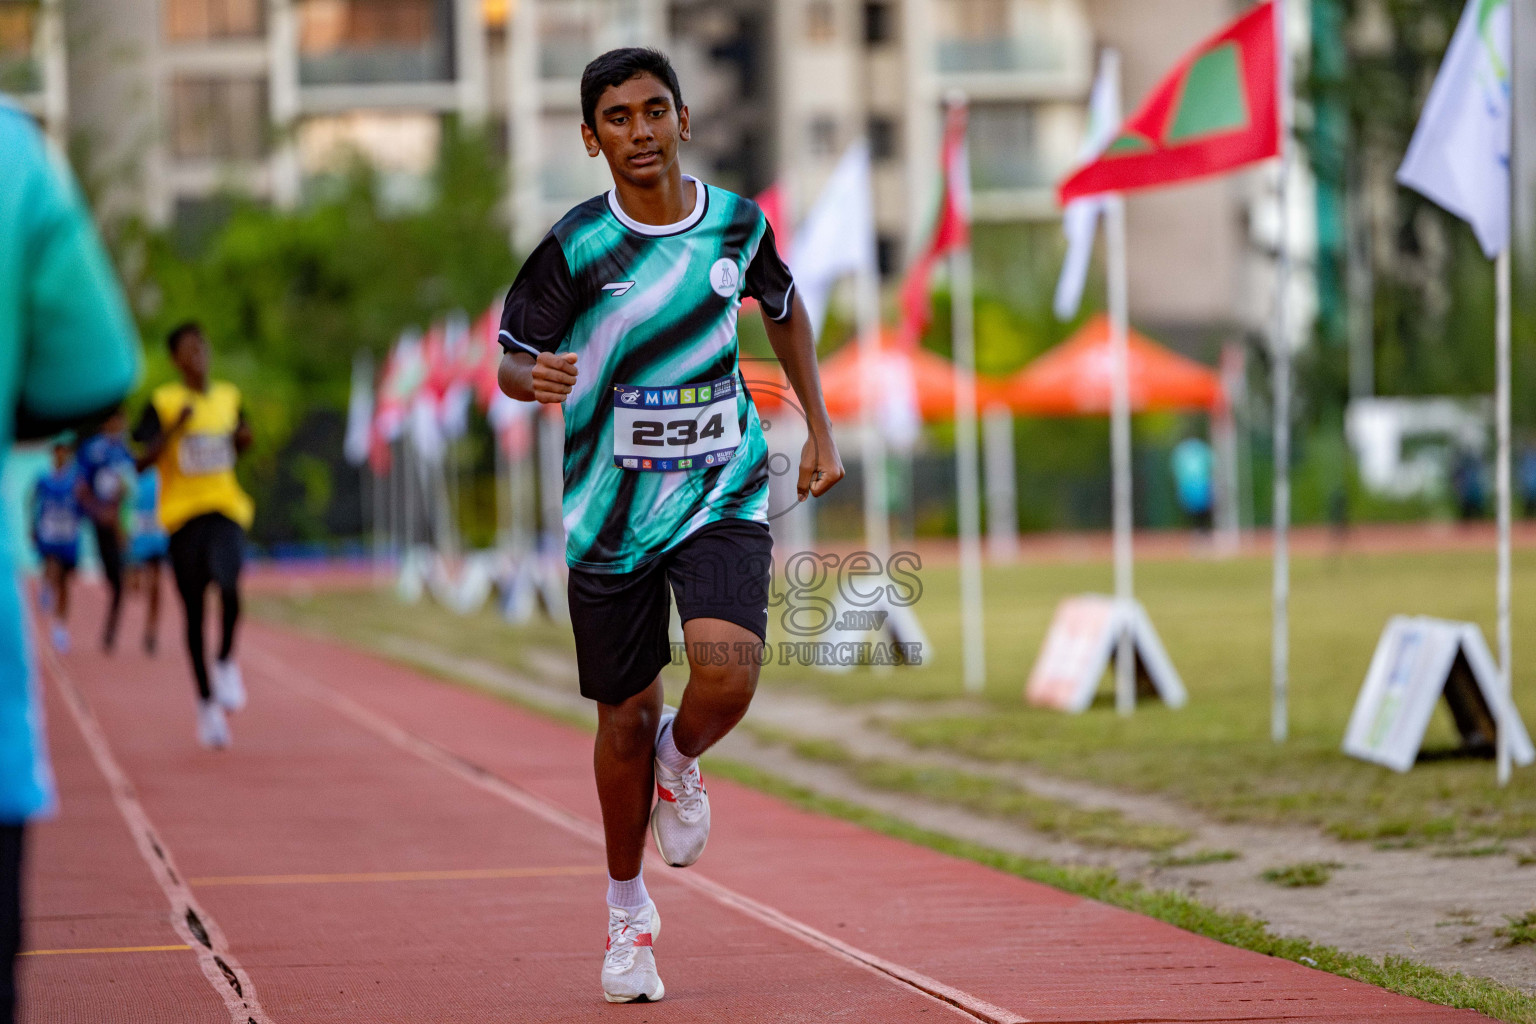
pixel 1409 903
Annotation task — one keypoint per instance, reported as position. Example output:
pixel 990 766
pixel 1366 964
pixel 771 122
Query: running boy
pixel 56 534
pixel 147 550
pixel 193 430
pixel 106 472
pixel 626 314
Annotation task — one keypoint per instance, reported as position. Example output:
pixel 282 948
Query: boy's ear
pixel 589 139
pixel 682 123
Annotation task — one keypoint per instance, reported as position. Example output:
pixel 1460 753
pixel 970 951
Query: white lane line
pixel 962 1002
pixel 194 924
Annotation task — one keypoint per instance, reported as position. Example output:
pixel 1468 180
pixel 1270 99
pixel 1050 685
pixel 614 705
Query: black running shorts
pixel 620 619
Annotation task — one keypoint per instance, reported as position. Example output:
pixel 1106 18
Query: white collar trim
pixel 699 202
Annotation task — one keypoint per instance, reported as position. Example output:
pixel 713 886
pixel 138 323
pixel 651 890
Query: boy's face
pixel 638 130
pixel 60 456
pixel 191 355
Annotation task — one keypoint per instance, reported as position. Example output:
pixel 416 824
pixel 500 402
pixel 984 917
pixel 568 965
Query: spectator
pixel 1192 468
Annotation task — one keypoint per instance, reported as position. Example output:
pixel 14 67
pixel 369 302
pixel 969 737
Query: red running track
pixel 379 846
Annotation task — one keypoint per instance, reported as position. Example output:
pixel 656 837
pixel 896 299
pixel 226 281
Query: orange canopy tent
pixel 844 373
pixel 1074 378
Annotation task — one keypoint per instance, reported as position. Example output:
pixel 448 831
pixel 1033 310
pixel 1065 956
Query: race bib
pixel 661 430
pixel 202 454
pixel 57 526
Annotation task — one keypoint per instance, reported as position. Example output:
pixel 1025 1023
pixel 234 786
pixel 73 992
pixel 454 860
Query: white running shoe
pixel 212 727
pixel 228 686
pixel 60 638
pixel 629 965
pixel 680 819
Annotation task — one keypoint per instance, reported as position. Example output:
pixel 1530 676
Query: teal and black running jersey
pixel 651 312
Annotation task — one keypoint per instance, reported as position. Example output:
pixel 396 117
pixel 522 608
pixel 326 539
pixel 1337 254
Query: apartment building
pixel 32 60
pixel 179 101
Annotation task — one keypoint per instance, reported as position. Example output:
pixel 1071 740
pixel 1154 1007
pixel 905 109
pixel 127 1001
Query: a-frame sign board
pixel 1080 646
pixel 1418 660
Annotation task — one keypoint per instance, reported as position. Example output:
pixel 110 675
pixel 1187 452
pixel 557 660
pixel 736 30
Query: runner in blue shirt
pixel 148 546
pixel 56 534
pixel 106 472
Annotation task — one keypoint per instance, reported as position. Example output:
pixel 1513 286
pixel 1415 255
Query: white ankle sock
pixel 630 895
pixel 667 752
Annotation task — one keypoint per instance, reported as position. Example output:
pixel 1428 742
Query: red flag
pixel 1218 110
pixel 775 206
pixel 952 230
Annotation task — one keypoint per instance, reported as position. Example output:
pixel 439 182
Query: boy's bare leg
pixel 622 759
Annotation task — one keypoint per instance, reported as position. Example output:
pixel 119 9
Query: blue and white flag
pixel 1459 156
pixel 1081 219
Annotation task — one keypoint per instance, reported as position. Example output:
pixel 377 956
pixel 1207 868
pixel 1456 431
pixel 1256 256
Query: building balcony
pixel 378 42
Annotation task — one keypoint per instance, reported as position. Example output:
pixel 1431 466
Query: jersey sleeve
pixel 76 315
pixel 769 280
pixel 148 428
pixel 542 303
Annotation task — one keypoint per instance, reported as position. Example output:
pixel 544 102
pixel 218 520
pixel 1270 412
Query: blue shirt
pixel 1192 464
pixel 68 351
pixel 56 510
pixel 107 467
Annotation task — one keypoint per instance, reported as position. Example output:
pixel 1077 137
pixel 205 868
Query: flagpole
pixel 973 635
pixel 1502 400
pixel 1280 346
pixel 1120 453
pixel 877 523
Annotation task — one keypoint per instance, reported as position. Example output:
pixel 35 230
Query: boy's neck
pixel 668 201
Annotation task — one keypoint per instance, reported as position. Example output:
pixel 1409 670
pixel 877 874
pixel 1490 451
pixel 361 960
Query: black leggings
pixel 208 550
pixel 109 544
pixel 11 845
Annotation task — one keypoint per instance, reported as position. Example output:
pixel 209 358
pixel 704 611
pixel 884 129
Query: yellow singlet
pixel 197 468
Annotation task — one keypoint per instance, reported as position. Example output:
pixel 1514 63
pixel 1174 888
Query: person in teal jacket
pixel 69 355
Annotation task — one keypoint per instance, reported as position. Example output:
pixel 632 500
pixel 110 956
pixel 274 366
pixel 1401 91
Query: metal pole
pixel 1503 272
pixel 1120 455
pixel 877 522
pixel 1280 345
pixel 972 628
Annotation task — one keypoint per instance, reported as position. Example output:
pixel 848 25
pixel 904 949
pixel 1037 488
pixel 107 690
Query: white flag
pixel 1081 219
pixel 359 410
pixel 1459 156
pixel 838 236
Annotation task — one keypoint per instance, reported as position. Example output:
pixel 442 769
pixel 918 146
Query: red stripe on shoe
pixel 643 939
pixel 665 794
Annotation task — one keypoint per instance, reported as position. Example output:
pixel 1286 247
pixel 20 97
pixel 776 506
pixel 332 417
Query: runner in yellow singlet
pixel 193 430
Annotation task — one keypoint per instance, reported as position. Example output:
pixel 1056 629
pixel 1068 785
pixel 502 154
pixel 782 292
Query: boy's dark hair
pixel 617 67
pixel 180 331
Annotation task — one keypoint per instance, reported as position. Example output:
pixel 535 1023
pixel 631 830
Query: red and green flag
pixel 1217 111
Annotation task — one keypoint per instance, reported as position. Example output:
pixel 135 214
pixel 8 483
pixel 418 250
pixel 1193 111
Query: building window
pixel 218 118
pixel 879 24
pixel 882 138
pixel 823 135
pixel 361 42
pixel 190 21
pixel 888 255
pixel 1005 147
pixel 999 36
pixel 820 22
pixel 18 29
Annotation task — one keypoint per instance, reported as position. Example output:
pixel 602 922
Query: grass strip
pixel 1195 858
pixel 1521 931
pixel 994 798
pixel 1395 974
pixel 1308 874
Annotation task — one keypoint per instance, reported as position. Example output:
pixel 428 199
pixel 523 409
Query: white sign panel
pixel 1417 660
pixel 1080 646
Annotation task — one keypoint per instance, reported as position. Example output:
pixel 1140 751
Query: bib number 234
pixel 670 429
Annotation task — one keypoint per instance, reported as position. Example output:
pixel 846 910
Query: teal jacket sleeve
pixel 81 351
